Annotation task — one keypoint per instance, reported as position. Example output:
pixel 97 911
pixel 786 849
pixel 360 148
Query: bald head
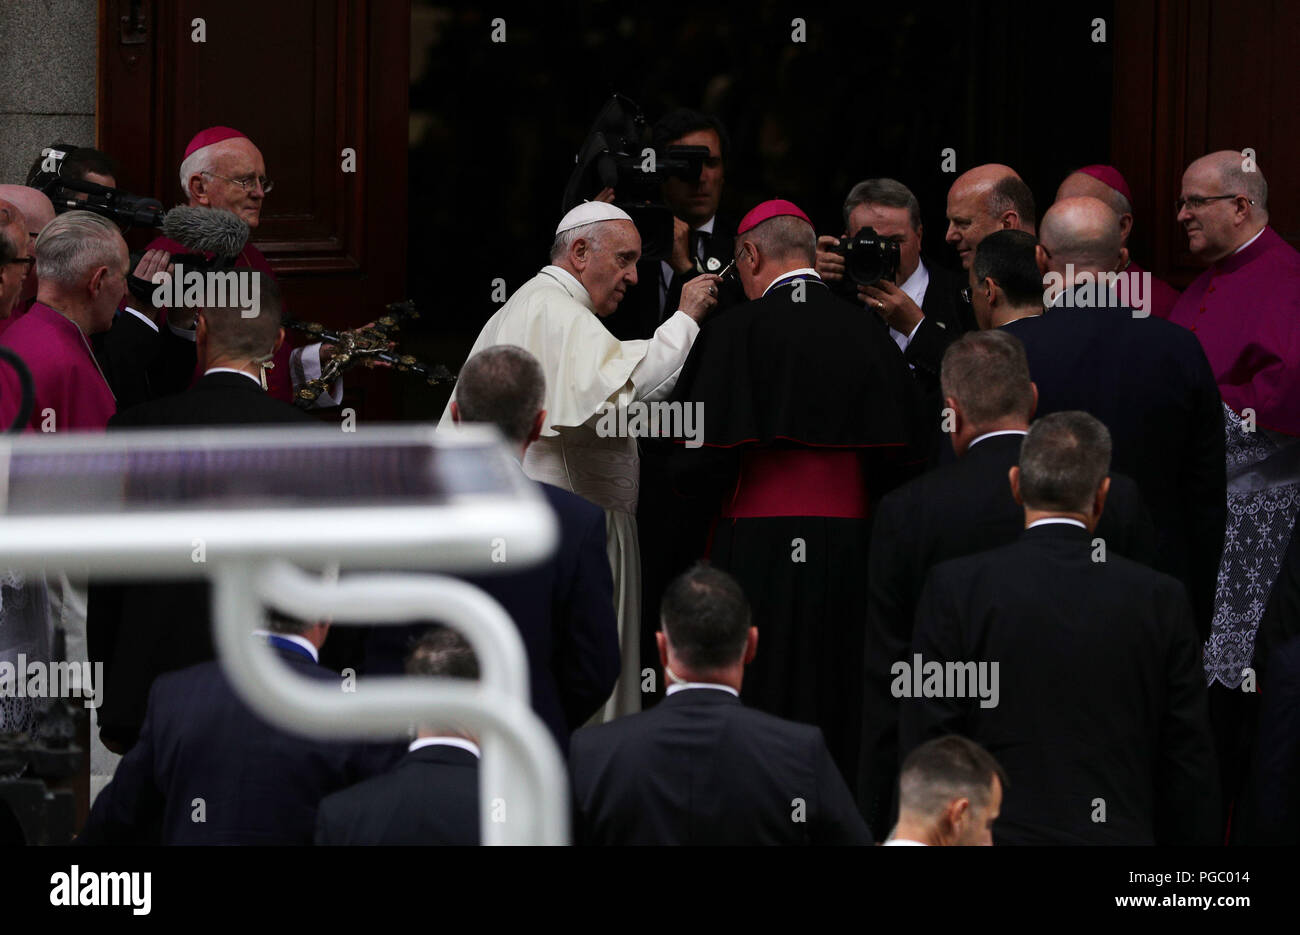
pixel 983 200
pixel 1083 232
pixel 35 206
pixel 1082 185
pixel 1237 208
pixel 37 211
pixel 13 246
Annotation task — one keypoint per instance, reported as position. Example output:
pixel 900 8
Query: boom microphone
pixel 206 230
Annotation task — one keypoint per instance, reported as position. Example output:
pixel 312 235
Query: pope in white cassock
pixel 555 317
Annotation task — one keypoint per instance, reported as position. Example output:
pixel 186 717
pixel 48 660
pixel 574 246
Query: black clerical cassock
pixel 809 417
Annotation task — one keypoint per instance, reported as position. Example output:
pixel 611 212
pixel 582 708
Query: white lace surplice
pixel 1263 497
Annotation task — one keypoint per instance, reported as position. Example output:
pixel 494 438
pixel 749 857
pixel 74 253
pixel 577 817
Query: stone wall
pixel 47 79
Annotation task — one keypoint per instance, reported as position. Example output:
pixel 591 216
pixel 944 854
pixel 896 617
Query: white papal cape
pixel 551 316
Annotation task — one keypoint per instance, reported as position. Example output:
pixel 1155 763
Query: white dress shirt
pixel 684 686
pixel 979 438
pixel 291 637
pixel 1056 519
pixel 914 286
pixel 242 373
pixel 666 269
pixel 460 742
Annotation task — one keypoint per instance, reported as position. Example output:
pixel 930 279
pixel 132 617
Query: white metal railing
pixel 249 552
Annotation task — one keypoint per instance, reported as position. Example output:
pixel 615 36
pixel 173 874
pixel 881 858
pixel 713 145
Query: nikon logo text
pixel 199 289
pixel 945 680
pixel 103 889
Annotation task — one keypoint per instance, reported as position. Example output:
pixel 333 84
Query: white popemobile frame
pixel 250 553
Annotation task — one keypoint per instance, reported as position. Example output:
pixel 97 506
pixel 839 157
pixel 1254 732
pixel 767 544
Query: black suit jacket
pixel 639 314
pixel 199 741
pixel 1100 705
pixel 564 609
pixel 1273 815
pixel 959 509
pixel 139 631
pixel 430 797
pixel 1149 382
pixel 701 768
pixel 214 399
pixel 141 361
pixel 947 318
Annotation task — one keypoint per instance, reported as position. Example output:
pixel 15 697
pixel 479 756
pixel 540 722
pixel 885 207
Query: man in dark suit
pixel 563 607
pixel 140 631
pixel 702 241
pixel 950 791
pixel 1005 282
pixel 1083 677
pixel 923 305
pixel 207 770
pixel 958 509
pixel 431 796
pixel 1148 380
pixel 700 767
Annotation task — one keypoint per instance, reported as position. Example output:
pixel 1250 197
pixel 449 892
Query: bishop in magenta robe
pixel 71 393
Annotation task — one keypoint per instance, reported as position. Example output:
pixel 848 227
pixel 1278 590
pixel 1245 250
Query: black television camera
pixel 617 154
pixel 868 258
pixel 122 208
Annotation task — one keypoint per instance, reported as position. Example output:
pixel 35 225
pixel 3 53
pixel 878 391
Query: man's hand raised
pixel 830 266
pixel 700 295
pixel 892 304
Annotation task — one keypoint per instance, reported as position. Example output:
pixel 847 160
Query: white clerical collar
pixel 979 438
pixel 804 271
pixel 569 282
pixel 1249 242
pixel 1056 519
pixel 233 370
pixel 460 742
pixel 291 637
pixel 683 686
pixel 904 842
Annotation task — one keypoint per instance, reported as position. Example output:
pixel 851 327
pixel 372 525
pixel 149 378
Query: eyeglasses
pixel 28 261
pixel 1196 202
pixel 248 182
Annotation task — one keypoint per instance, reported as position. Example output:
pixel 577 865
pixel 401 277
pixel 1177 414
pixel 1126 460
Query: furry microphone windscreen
pixel 206 230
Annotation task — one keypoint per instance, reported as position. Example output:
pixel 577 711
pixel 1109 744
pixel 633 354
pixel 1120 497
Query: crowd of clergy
pixel 995 549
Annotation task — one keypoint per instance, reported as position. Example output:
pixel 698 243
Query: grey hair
pixel 1235 179
pixel 988 374
pixel 503 386
pixel 1012 194
pixel 75 243
pixel 565 240
pixel 889 193
pixel 1063 461
pixel 196 163
pixel 783 237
